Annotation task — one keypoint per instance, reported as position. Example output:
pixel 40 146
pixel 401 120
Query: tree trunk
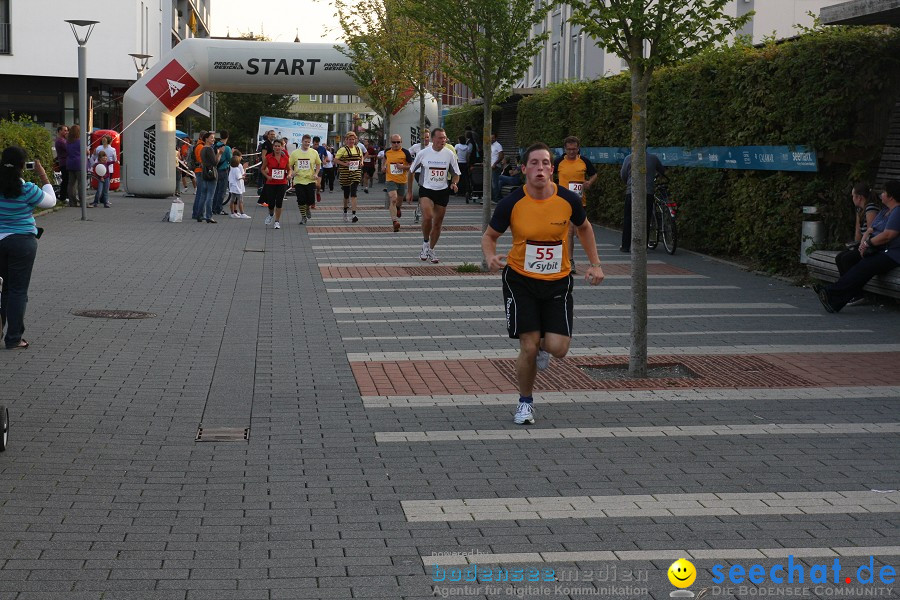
pixel 486 191
pixel 422 116
pixel 637 361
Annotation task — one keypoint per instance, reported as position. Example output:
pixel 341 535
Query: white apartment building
pixel 569 54
pixel 39 54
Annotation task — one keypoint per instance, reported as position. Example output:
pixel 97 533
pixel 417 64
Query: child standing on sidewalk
pixel 102 194
pixel 236 186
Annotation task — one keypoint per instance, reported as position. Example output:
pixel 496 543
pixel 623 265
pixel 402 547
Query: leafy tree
pixel 488 45
pixel 649 35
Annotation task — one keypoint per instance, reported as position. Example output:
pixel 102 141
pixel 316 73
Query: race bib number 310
pixel 543 257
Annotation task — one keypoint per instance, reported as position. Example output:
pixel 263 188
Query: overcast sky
pixel 277 19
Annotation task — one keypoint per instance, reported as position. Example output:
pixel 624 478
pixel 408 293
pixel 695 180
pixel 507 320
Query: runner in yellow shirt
pixel 305 164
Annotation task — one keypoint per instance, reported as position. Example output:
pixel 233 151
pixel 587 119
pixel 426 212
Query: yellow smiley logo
pixel 682 573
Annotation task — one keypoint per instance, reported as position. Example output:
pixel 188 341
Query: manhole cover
pixel 113 314
pixel 223 434
pixel 663 371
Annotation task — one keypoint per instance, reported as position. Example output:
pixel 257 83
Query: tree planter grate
pixel 658 371
pixel 222 434
pixel 113 314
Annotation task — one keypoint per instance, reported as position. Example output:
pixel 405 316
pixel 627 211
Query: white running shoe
pixel 524 414
pixel 245 216
pixel 234 216
pixel 277 225
pixel 425 250
pixel 303 220
pixel 431 256
pixel 543 360
pixel 269 220
pixel 346 218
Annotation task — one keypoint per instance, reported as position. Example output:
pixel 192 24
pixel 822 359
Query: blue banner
pixel 759 158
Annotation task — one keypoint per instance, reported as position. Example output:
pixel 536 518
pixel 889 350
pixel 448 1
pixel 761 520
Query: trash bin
pixel 810 232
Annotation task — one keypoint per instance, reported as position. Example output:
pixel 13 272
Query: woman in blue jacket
pixel 18 239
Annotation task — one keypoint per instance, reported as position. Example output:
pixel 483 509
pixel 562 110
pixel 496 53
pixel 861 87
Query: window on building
pixel 556 63
pixel 313 98
pixel 575 57
pixel 5 28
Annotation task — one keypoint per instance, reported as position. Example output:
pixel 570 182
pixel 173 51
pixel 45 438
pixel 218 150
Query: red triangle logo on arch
pixel 172 85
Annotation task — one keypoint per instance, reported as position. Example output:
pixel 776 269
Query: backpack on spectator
pixel 192 158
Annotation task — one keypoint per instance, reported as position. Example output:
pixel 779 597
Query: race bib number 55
pixel 543 257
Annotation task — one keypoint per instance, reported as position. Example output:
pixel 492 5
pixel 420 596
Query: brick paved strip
pixel 429 319
pixel 730 554
pixel 432 377
pixel 494 308
pixel 478 336
pixel 387 437
pixel 457 288
pixel 617 271
pixel 682 395
pixel 647 505
pixel 868 349
pixel 384 229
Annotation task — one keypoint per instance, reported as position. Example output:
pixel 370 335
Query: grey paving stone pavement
pixel 106 493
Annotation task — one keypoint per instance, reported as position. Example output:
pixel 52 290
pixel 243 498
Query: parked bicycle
pixel 662 220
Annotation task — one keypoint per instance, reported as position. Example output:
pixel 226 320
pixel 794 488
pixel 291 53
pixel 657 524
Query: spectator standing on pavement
pixel 106 147
pixel 222 167
pixel 496 167
pixel 879 252
pixel 101 172
pixel 265 148
pixel 236 188
pixel 328 169
pixel 196 149
pixel 183 153
pixel 74 151
pixel 537 282
pixel 369 158
pixel 209 159
pixel 654 168
pixel 18 239
pixel 462 156
pixel 62 133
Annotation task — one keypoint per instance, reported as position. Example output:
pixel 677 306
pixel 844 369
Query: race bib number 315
pixel 543 257
pixel 303 164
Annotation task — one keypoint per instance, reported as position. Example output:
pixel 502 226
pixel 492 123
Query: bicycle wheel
pixel 655 217
pixel 669 232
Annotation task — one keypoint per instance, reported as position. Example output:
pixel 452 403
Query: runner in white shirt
pixel 417 147
pixel 437 163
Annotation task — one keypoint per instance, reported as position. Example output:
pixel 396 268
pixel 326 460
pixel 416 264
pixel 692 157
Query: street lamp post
pixel 82 101
pixel 140 62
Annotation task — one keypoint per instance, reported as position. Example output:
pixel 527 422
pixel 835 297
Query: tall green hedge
pixel 831 89
pixel 36 141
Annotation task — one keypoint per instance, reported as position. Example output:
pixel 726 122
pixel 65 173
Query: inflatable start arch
pixel 198 65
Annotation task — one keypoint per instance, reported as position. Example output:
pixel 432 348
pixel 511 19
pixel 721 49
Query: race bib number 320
pixel 543 257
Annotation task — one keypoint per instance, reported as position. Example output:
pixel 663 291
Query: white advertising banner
pixel 291 129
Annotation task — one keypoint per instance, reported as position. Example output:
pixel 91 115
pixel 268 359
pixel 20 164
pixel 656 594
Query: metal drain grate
pixel 223 434
pixel 658 371
pixel 113 314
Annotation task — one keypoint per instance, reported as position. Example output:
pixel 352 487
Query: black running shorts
pixel 439 197
pixel 274 194
pixel 350 190
pixel 537 305
pixel 306 193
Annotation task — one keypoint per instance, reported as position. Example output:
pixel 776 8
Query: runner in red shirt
pixel 277 174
